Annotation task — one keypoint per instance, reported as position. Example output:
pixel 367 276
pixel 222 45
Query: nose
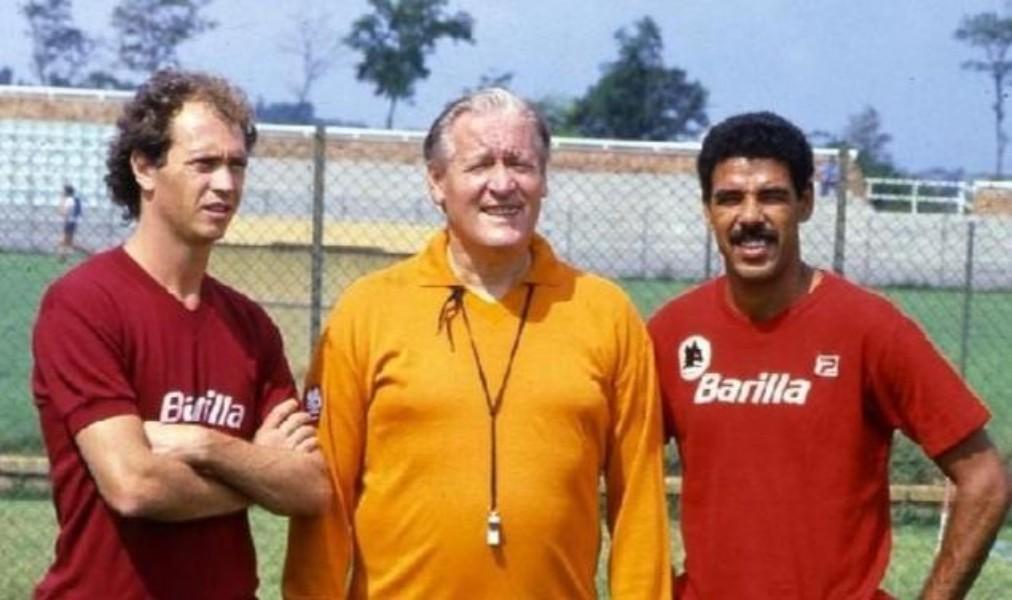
pixel 224 179
pixel 751 210
pixel 501 180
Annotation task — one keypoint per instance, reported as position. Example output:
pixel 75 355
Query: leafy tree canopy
pixel 60 50
pixel 290 113
pixel 395 40
pixel 148 32
pixel 992 34
pixel 864 132
pixel 638 97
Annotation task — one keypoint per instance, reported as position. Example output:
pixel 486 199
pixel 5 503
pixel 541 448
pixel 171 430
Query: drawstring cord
pixel 452 306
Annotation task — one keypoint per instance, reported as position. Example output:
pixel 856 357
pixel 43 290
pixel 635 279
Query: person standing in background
pixel 71 209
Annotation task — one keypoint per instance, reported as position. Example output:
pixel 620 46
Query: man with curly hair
pixel 164 397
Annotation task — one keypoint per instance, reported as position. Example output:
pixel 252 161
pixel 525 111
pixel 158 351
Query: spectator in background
pixel 784 384
pixel 472 397
pixel 71 209
pixel 829 176
pixel 165 401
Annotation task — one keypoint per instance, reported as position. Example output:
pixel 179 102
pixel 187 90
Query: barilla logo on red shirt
pixel 211 408
pixel 768 388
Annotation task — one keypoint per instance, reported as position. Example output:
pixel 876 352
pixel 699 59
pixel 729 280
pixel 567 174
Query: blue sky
pixel 814 62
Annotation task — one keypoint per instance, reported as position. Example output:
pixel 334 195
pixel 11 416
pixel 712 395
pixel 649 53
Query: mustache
pixel 752 232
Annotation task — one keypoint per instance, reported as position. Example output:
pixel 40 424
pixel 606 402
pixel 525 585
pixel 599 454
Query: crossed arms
pixel 177 472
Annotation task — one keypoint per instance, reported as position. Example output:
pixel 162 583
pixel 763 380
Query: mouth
pixel 502 210
pixel 220 209
pixel 753 242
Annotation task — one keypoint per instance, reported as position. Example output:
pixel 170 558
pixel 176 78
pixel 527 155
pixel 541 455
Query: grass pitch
pixel 32 524
pixel 280 278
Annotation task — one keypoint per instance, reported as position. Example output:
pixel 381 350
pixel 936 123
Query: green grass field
pixel 23 562
pixel 280 278
pixel 262 272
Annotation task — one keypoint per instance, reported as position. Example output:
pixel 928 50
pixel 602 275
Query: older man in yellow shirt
pixel 472 397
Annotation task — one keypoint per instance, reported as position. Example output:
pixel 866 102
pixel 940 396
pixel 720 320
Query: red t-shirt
pixel 784 430
pixel 110 340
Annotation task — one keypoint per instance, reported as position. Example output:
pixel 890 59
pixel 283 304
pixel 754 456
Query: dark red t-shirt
pixel 784 430
pixel 110 340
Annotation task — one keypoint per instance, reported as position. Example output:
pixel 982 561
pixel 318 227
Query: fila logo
pixel 827 365
pixel 211 408
pixel 768 388
pixel 314 402
pixel 694 354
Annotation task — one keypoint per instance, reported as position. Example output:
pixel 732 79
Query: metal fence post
pixel 708 253
pixel 645 242
pixel 569 232
pixel 841 210
pixel 316 256
pixel 964 335
pixel 964 322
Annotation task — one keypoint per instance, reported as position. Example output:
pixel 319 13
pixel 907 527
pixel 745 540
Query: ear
pixel 807 200
pixel 144 171
pixel 707 214
pixel 434 179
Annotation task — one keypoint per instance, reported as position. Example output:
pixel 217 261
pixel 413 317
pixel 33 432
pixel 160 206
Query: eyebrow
pixel 762 190
pixel 210 154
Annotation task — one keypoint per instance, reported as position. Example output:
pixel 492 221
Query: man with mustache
pixel 783 385
pixel 473 397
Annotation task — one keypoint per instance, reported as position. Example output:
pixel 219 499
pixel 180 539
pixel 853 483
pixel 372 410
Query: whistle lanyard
pixel 493 531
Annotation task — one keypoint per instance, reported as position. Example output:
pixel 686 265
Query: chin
pixel 753 274
pixel 506 240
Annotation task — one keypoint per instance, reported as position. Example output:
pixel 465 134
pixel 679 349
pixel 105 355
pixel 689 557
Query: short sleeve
pixel 918 391
pixel 79 358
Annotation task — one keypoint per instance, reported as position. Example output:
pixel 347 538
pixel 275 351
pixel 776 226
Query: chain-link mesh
pixel 323 208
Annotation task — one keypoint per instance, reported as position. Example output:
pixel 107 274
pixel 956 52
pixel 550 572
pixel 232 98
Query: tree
pixel 291 113
pixel 104 80
pixel 311 42
pixel 557 110
pixel 149 31
pixel 992 34
pixel 491 79
pixel 395 40
pixel 59 49
pixel 637 97
pixel 864 133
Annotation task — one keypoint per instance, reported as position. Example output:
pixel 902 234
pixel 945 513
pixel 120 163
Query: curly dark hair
pixel 145 125
pixel 756 135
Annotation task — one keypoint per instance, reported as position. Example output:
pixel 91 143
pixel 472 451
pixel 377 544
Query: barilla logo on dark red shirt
pixel 212 408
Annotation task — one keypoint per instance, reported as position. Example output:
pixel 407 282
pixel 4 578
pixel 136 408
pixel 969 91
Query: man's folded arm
pixel 136 482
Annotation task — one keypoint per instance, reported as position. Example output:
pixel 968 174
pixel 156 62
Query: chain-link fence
pixel 322 208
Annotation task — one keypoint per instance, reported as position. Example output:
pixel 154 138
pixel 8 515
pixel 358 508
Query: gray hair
pixel 437 147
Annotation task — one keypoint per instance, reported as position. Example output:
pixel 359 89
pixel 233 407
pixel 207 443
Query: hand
pixel 177 440
pixel 287 427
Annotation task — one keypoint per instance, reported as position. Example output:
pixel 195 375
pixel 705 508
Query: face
pixel 755 212
pixel 195 193
pixel 492 182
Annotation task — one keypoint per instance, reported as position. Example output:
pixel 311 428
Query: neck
pixel 490 275
pixel 177 266
pixel 761 301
